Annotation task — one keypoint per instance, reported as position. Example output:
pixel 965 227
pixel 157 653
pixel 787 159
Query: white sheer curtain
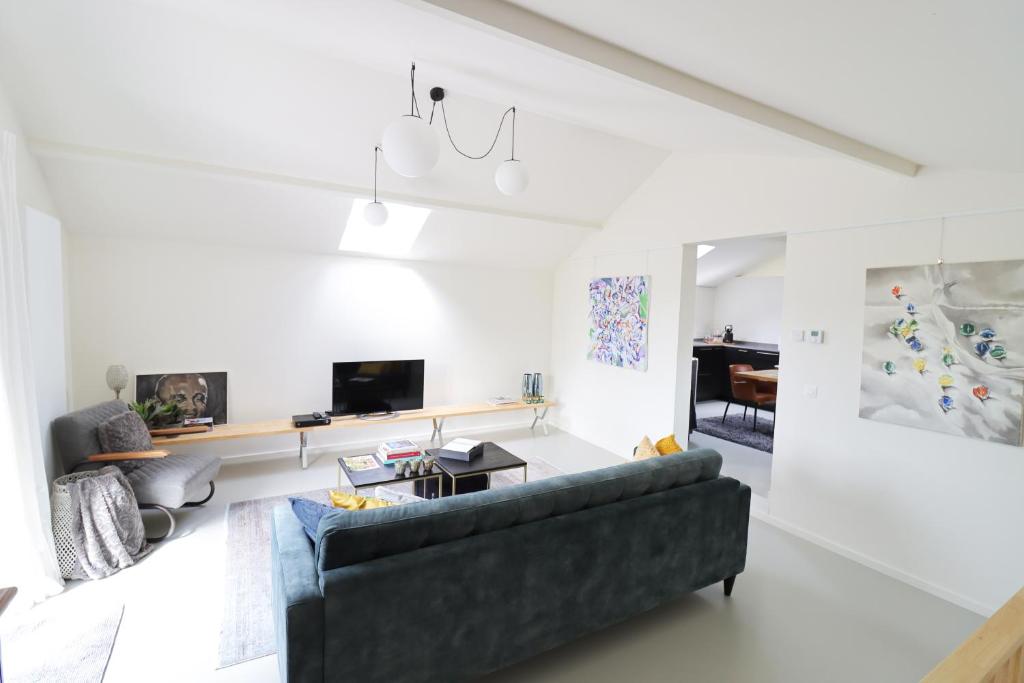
pixel 27 557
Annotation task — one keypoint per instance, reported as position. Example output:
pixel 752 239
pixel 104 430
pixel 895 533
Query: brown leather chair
pixel 746 393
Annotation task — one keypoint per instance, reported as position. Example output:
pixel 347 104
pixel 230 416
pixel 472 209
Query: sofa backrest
pixel 76 434
pixel 346 538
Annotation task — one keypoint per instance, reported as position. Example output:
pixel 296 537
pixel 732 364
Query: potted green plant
pixel 156 414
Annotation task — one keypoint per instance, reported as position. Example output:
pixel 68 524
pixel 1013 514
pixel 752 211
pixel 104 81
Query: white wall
pixel 752 305
pixel 936 508
pixel 44 270
pixel 32 188
pixel 275 321
pixel 610 406
pixel 836 476
pixel 703 312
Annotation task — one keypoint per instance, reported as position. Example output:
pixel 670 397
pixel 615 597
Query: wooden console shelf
pixel 436 415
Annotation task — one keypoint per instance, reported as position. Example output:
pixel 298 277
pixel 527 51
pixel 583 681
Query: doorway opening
pixel 737 330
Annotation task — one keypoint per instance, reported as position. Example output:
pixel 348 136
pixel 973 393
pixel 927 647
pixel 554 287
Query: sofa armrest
pixel 297 601
pixel 128 455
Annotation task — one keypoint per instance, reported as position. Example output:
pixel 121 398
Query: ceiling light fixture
pixel 411 148
pixel 375 213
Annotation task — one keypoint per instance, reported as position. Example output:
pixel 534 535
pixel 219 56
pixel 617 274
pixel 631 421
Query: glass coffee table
pixel 382 474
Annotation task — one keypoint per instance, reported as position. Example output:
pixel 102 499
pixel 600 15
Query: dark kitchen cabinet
pixel 764 360
pixel 710 369
pixel 713 367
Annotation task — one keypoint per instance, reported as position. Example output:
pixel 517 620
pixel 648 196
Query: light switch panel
pixel 816 336
pixel 798 335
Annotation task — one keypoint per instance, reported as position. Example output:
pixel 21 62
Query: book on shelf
pixel 197 422
pixel 461 449
pixel 502 401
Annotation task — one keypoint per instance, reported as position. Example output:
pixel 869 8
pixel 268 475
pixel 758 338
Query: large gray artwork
pixel 943 349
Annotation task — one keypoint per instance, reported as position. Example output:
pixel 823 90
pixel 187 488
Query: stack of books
pixel 390 452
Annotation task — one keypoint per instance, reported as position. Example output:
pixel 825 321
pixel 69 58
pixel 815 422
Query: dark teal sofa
pixel 450 589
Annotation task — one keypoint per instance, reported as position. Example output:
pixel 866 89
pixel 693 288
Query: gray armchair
pixel 161 481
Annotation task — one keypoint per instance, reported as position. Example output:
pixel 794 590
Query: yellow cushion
pixel 668 445
pixel 350 501
pixel 645 450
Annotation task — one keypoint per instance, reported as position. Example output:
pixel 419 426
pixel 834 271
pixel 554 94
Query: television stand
pixel 436 415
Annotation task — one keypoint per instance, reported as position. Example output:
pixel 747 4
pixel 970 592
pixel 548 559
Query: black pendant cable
pixel 375 213
pixel 414 106
pixel 497 134
pixel 412 150
pixel 376 154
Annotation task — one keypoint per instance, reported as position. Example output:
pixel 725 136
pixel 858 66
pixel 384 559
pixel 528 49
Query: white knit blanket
pixel 106 526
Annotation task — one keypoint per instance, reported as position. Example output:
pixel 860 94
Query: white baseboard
pixel 762 511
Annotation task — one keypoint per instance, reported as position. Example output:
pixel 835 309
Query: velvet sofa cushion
pixel 124 432
pixel 344 540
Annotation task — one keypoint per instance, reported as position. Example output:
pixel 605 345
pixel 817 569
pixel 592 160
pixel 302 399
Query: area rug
pixel 247 630
pixel 738 430
pixel 60 649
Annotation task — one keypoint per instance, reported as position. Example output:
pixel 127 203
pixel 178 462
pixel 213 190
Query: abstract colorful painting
pixel 944 349
pixel 619 314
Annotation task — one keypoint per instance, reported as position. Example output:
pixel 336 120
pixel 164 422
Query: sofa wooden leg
pixel 728 583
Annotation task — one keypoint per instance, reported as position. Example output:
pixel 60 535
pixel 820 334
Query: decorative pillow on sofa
pixel 668 445
pixel 123 433
pixel 309 513
pixel 645 450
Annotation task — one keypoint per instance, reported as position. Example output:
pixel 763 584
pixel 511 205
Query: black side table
pixel 475 475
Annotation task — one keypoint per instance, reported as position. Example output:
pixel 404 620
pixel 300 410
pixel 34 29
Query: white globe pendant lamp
pixel 511 177
pixel 375 213
pixel 411 147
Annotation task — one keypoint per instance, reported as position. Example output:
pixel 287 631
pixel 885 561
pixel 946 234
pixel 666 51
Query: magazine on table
pixel 360 463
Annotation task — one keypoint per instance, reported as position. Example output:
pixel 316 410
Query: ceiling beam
pixel 513 20
pixel 63 150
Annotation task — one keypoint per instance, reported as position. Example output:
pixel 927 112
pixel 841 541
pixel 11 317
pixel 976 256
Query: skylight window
pixel 704 249
pixel 394 238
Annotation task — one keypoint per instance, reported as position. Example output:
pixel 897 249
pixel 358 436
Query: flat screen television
pixel 380 386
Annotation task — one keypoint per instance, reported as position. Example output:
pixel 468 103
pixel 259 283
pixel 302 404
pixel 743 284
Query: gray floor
pixel 749 465
pixel 799 613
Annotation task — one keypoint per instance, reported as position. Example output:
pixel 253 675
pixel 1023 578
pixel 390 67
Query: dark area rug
pixel 740 431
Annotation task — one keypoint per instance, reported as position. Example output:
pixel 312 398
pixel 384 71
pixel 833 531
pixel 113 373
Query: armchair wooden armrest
pixel 128 455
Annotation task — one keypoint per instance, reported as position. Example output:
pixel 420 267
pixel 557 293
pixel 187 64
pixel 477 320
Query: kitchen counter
pixel 750 346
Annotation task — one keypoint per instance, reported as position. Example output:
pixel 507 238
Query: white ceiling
pixel 304 88
pixel 732 258
pixel 938 81
pixel 145 78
